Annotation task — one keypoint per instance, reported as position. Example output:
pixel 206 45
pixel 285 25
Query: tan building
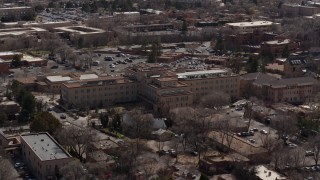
pixel 99 92
pixel 83 35
pixel 153 84
pixel 51 83
pixel 166 93
pixel 202 83
pixel 293 10
pixel 296 67
pixel 126 16
pixel 15 13
pixel 166 89
pixel 267 87
pixel 255 25
pixel 276 47
pixel 43 154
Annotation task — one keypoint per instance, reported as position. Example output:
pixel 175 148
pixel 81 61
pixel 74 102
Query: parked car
pixel 162 152
pixel 172 152
pixel 285 137
pixel 175 168
pixel 18 164
pixel 252 140
pixel 54 67
pixel 63 116
pixel 309 153
pixel 262 131
pixel 239 108
pixel 193 152
pixel 108 58
pixel 292 146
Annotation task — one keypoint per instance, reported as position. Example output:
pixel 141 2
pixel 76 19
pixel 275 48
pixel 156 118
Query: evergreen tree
pixel 116 122
pixel 220 44
pixel 184 27
pixel 285 52
pixel 45 122
pixel 152 58
pixel 252 65
pixel 28 105
pixel 3 117
pixel 16 61
pixel 203 177
pixel 104 119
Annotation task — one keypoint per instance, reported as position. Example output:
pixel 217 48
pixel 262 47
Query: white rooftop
pixel 80 29
pixel 58 78
pixel 88 76
pixel 266 174
pixel 9 53
pixel 19 31
pixel 251 24
pixel 199 73
pixel 45 147
pixel 126 13
pixel 31 58
pixel 278 42
pixel 16 7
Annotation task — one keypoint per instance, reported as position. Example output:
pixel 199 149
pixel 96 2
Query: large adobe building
pixel 151 83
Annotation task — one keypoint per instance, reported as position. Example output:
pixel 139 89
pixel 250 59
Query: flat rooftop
pixel 251 24
pixel 88 76
pixel 29 58
pixel 101 81
pixel 19 31
pixel 195 74
pixel 263 173
pixel 58 78
pixel 80 29
pixel 9 53
pixel 45 147
pixel 17 7
pixel 278 42
pixel 126 13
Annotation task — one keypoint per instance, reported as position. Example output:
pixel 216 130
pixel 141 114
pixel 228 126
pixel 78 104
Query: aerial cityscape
pixel 159 90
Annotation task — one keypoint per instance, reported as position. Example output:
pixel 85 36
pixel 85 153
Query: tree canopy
pixel 45 122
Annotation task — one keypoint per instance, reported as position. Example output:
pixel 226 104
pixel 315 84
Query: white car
pixel 292 146
pixel 262 131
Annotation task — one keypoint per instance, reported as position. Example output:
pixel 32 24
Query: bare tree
pixel 297 157
pixel 268 142
pixel 76 140
pixel 285 124
pixel 215 100
pixel 315 145
pixel 149 167
pixel 194 125
pixel 139 125
pixel 7 171
pixel 73 170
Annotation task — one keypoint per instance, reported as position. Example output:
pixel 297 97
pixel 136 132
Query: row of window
pixel 221 81
pixel 103 89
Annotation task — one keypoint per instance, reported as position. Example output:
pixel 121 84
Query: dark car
pixel 172 152
pixel 54 67
pixel 163 152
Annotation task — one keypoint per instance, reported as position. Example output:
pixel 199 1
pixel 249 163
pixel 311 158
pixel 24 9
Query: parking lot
pixel 116 65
